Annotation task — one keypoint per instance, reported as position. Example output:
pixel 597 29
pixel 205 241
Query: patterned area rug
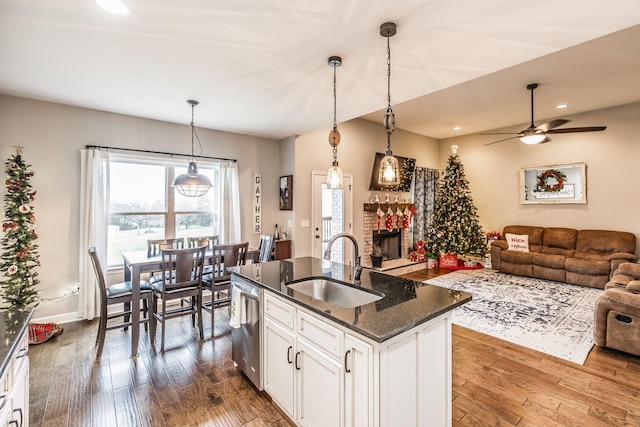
pixel 551 317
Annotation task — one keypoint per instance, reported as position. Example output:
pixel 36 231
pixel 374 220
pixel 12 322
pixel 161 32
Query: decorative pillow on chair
pixel 517 242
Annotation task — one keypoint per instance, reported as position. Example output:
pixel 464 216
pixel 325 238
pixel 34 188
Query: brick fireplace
pixel 370 225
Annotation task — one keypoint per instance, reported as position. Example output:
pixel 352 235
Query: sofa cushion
pixel 634 286
pixel 559 241
pixel 597 244
pixel 535 235
pixel 587 266
pixel 631 269
pixel 548 260
pixel 517 242
pixel 515 257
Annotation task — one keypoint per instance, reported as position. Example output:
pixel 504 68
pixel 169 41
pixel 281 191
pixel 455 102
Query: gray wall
pixel 53 135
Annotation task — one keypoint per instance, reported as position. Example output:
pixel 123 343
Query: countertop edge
pixel 14 344
pixel 378 339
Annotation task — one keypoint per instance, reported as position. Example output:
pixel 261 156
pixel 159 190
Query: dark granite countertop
pixel 12 325
pixel 406 304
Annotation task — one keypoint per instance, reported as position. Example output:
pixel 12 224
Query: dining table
pixel 138 262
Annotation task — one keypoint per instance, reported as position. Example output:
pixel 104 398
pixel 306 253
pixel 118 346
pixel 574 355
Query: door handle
pixel 346 368
pixel 317 236
pixel 297 364
pixel 289 354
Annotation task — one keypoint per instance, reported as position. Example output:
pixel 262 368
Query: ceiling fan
pixel 538 134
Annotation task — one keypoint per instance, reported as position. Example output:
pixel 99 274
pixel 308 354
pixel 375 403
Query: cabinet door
pixel 358 366
pixel 320 388
pixel 279 354
pixel 20 395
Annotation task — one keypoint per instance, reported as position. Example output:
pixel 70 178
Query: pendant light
pixel 192 184
pixel 389 172
pixel 334 175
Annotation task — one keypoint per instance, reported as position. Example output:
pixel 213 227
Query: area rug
pixel 551 317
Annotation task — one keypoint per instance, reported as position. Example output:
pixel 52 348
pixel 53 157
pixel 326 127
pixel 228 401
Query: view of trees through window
pixel 144 206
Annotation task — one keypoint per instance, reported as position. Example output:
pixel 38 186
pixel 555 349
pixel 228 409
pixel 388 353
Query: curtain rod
pixel 158 152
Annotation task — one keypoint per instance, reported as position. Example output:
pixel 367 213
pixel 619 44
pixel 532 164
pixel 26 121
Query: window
pixel 143 205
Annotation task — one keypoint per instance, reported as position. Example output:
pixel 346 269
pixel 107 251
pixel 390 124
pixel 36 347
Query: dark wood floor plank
pixel 494 383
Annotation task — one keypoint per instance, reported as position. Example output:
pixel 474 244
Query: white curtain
pixel 94 217
pixel 229 203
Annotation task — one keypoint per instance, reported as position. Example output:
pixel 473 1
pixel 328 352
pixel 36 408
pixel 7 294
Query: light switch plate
pixel 289 223
pixel 304 223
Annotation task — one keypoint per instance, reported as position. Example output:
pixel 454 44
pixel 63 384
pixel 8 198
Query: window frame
pixel 170 213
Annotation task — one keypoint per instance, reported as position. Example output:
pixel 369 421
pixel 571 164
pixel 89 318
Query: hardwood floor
pixel 495 383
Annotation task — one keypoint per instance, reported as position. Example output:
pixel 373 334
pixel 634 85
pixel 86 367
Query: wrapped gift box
pixel 448 260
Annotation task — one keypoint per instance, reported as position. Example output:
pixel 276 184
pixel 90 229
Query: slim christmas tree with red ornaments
pixel 455 227
pixel 20 258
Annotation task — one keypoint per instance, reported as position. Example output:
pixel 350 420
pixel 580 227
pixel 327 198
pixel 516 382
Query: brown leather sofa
pixel 580 257
pixel 617 311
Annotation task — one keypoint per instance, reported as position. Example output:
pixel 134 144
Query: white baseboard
pixel 58 318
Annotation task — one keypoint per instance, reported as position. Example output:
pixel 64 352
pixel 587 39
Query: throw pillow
pixel 518 242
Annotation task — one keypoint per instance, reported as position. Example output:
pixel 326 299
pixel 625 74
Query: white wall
pixel 54 134
pixel 360 140
pixel 611 156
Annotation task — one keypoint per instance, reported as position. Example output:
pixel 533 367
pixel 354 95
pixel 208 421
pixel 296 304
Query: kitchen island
pixel 383 363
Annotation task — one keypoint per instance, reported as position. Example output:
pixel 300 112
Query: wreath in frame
pixel 558 176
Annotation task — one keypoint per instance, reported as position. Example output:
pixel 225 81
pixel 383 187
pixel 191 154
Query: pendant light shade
pixel 389 172
pixel 192 184
pixel 334 174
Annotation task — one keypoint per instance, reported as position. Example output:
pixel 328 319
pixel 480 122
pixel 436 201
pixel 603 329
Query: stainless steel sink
pixel 335 292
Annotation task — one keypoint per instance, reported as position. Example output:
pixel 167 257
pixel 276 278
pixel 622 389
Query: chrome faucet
pixel 357 268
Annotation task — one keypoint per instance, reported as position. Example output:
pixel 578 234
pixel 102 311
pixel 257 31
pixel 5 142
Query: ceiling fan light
pixel 114 6
pixel 533 139
pixel 192 184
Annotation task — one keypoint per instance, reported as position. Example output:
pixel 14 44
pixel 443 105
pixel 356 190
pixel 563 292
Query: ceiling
pixel 259 67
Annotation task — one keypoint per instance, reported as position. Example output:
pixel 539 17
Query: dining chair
pixel 119 293
pixel 181 278
pixel 265 247
pixel 219 281
pixel 208 241
pixel 154 246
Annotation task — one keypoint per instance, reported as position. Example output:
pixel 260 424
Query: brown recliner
pixel 617 311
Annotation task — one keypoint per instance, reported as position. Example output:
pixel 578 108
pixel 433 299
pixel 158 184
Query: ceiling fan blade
pixel 581 129
pixel 545 127
pixel 499 133
pixel 495 142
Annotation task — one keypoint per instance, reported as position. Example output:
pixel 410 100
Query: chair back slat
pixel 97 268
pixel 229 255
pixel 182 267
pixel 154 246
pixel 265 247
pixel 209 241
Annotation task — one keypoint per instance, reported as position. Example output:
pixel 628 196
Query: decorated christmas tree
pixel 19 259
pixel 455 227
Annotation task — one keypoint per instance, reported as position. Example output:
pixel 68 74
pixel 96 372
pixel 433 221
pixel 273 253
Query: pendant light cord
pixel 335 123
pixel 193 131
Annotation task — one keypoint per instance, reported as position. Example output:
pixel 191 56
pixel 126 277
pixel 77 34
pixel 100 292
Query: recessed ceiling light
pixel 457 128
pixel 561 106
pixel 114 6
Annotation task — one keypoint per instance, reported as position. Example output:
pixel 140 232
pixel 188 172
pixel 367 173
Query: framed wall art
pixel 554 184
pixel 286 193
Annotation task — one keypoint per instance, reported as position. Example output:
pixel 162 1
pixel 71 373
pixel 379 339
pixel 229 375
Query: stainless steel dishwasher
pixel 246 340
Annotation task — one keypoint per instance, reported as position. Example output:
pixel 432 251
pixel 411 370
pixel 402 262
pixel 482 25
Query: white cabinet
pixel 323 374
pixel 14 398
pixel 278 375
pixel 304 371
pixel 320 385
pixel 359 383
